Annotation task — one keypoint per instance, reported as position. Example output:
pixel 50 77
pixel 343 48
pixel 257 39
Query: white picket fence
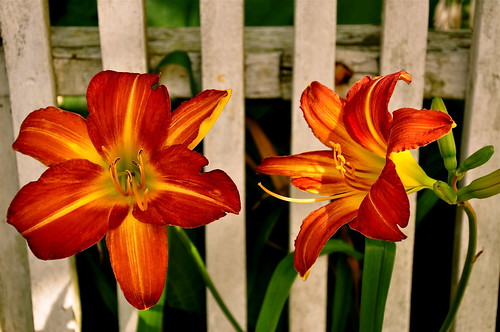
pixel 37 64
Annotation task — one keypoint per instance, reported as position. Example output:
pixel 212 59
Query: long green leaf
pixel 342 296
pixel 281 283
pixel 377 272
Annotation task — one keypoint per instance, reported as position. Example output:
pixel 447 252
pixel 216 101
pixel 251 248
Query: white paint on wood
pixel 482 127
pixel 313 60
pixel 16 312
pixel 123 35
pixel 224 146
pixel 25 33
pixel 404 47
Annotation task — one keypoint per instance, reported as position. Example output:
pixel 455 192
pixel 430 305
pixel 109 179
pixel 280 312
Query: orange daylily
pixel 367 170
pixel 126 172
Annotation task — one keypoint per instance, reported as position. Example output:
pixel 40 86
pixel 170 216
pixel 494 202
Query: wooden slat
pixel 77 58
pixel 25 33
pixel 123 35
pixel 16 312
pixel 313 60
pixel 404 46
pixel 224 146
pixel 482 127
pixel 123 47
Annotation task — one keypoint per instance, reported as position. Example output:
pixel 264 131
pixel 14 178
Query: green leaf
pixel 281 283
pixel 377 272
pixel 342 296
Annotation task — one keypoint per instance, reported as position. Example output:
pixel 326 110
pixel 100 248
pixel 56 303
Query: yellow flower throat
pixel 131 182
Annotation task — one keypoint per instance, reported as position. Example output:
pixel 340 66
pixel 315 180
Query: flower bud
pixel 476 159
pixel 445 192
pixel 446 143
pixel 483 187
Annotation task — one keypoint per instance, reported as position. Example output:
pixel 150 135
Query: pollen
pixel 130 182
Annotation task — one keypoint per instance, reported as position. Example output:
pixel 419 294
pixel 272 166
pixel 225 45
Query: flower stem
pixel 193 251
pixel 467 269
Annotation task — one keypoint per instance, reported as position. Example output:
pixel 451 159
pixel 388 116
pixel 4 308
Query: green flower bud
pixel 445 192
pixel 483 187
pixel 446 144
pixel 475 160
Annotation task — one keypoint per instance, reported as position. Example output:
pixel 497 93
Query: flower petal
pixel 322 185
pixel 139 255
pixel 52 135
pixel 193 118
pixel 412 128
pixel 308 164
pixel 125 111
pixel 366 116
pixel 319 226
pixel 409 171
pixel 384 208
pixel 180 195
pixel 67 210
pixel 322 111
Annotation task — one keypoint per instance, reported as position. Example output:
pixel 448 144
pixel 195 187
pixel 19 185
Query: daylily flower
pixel 366 170
pixel 126 172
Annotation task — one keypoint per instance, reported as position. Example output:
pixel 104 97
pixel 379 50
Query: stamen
pixel 114 177
pixel 302 200
pixel 140 166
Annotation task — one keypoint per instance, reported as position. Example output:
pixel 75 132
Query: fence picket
pixel 482 127
pixel 16 313
pixel 122 34
pixel 315 28
pixel 404 46
pixel 25 28
pixel 224 146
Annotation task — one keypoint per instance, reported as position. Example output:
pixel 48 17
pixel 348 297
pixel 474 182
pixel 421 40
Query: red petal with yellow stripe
pixel 412 128
pixel 384 208
pixel 67 210
pixel 319 226
pixel 193 118
pixel 52 135
pixel 365 114
pixel 139 253
pixel 125 112
pixel 182 196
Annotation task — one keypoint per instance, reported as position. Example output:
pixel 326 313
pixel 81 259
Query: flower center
pixel 131 182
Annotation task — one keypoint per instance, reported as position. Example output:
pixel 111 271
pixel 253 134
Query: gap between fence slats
pixel 482 127
pixel 224 147
pixel 313 60
pixel 404 46
pixel 122 33
pixel 25 28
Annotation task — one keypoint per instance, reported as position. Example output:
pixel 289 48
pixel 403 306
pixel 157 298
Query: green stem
pixel 191 248
pixel 469 262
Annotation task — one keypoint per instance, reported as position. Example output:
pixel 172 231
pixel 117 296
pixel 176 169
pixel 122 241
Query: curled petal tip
pixel 305 275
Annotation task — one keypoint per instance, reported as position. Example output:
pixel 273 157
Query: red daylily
pixel 367 170
pixel 126 172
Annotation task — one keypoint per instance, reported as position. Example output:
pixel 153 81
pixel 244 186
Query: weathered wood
pixel 122 42
pixel 25 33
pixel 76 54
pixel 315 28
pixel 404 46
pixel 224 146
pixel 482 127
pixel 16 312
